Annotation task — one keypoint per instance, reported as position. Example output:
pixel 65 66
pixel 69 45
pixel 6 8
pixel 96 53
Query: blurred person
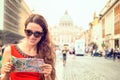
pixel 0 50
pixel 73 53
pixel 64 53
pixel 0 54
pixel 93 52
pixel 36 44
pixel 115 54
pixel 106 53
pixel 118 55
pixel 111 52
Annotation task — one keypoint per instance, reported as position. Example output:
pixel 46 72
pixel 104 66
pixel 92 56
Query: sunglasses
pixel 36 34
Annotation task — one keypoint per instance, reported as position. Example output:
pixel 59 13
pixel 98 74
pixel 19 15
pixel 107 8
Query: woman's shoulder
pixel 6 54
pixel 7 50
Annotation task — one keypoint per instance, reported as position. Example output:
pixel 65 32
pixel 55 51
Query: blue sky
pixel 81 11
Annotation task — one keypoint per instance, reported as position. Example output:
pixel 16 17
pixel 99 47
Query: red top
pixel 22 75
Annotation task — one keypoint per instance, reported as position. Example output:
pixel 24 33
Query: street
pixel 88 68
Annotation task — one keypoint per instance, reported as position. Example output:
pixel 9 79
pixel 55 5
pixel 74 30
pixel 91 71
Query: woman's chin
pixel 32 43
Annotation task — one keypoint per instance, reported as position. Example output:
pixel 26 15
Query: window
pixel 116 43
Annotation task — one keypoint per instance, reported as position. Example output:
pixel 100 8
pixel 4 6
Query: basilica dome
pixel 66 19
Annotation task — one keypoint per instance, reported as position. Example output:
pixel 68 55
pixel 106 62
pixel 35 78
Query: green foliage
pixel 95 46
pixel 103 44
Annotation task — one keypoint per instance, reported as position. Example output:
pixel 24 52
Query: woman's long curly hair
pixel 45 47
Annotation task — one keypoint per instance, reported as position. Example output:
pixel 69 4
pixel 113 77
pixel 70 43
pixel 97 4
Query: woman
pixel 36 44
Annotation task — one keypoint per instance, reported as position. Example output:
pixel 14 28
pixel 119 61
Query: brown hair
pixel 45 45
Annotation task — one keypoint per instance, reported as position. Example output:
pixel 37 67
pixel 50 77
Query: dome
pixel 66 19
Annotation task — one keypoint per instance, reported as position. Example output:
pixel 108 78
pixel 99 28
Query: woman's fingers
pixel 46 69
pixel 8 67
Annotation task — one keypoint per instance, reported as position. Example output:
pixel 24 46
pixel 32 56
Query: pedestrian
pixel 115 54
pixel 36 44
pixel 111 53
pixel 64 53
pixel 0 54
pixel 74 53
pixel 106 53
pixel 0 50
pixel 118 55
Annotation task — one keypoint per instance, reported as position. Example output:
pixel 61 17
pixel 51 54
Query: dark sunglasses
pixel 36 34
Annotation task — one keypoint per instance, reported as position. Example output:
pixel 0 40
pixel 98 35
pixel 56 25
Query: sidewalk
pixel 65 72
pixel 87 68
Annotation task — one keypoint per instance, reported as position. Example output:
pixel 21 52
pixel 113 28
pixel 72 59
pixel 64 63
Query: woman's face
pixel 34 33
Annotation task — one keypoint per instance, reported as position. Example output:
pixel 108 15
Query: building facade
pixel 105 29
pixel 65 32
pixel 13 13
pixel 110 23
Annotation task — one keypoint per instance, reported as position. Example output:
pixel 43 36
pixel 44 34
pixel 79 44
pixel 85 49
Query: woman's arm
pixel 6 65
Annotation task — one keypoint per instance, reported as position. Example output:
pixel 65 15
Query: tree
pixel 103 45
pixel 95 46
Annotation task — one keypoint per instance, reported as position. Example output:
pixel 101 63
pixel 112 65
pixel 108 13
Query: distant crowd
pixel 109 53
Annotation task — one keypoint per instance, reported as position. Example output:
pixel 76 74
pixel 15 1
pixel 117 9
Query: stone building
pixel 105 29
pixel 65 32
pixel 13 14
pixel 110 23
pixel 95 31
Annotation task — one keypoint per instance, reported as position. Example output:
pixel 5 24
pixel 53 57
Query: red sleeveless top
pixel 22 75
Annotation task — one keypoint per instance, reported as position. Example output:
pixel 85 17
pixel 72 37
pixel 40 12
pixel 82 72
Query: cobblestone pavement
pixel 88 68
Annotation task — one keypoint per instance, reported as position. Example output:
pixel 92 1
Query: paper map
pixel 27 64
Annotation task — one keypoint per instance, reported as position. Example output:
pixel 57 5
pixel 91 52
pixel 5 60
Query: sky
pixel 81 11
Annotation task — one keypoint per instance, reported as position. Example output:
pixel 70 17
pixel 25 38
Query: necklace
pixel 23 54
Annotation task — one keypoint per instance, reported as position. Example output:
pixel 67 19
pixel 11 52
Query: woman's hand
pixel 7 68
pixel 46 69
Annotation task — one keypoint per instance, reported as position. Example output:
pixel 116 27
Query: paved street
pixel 88 68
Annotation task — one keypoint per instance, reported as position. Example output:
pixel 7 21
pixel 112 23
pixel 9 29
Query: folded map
pixel 27 64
